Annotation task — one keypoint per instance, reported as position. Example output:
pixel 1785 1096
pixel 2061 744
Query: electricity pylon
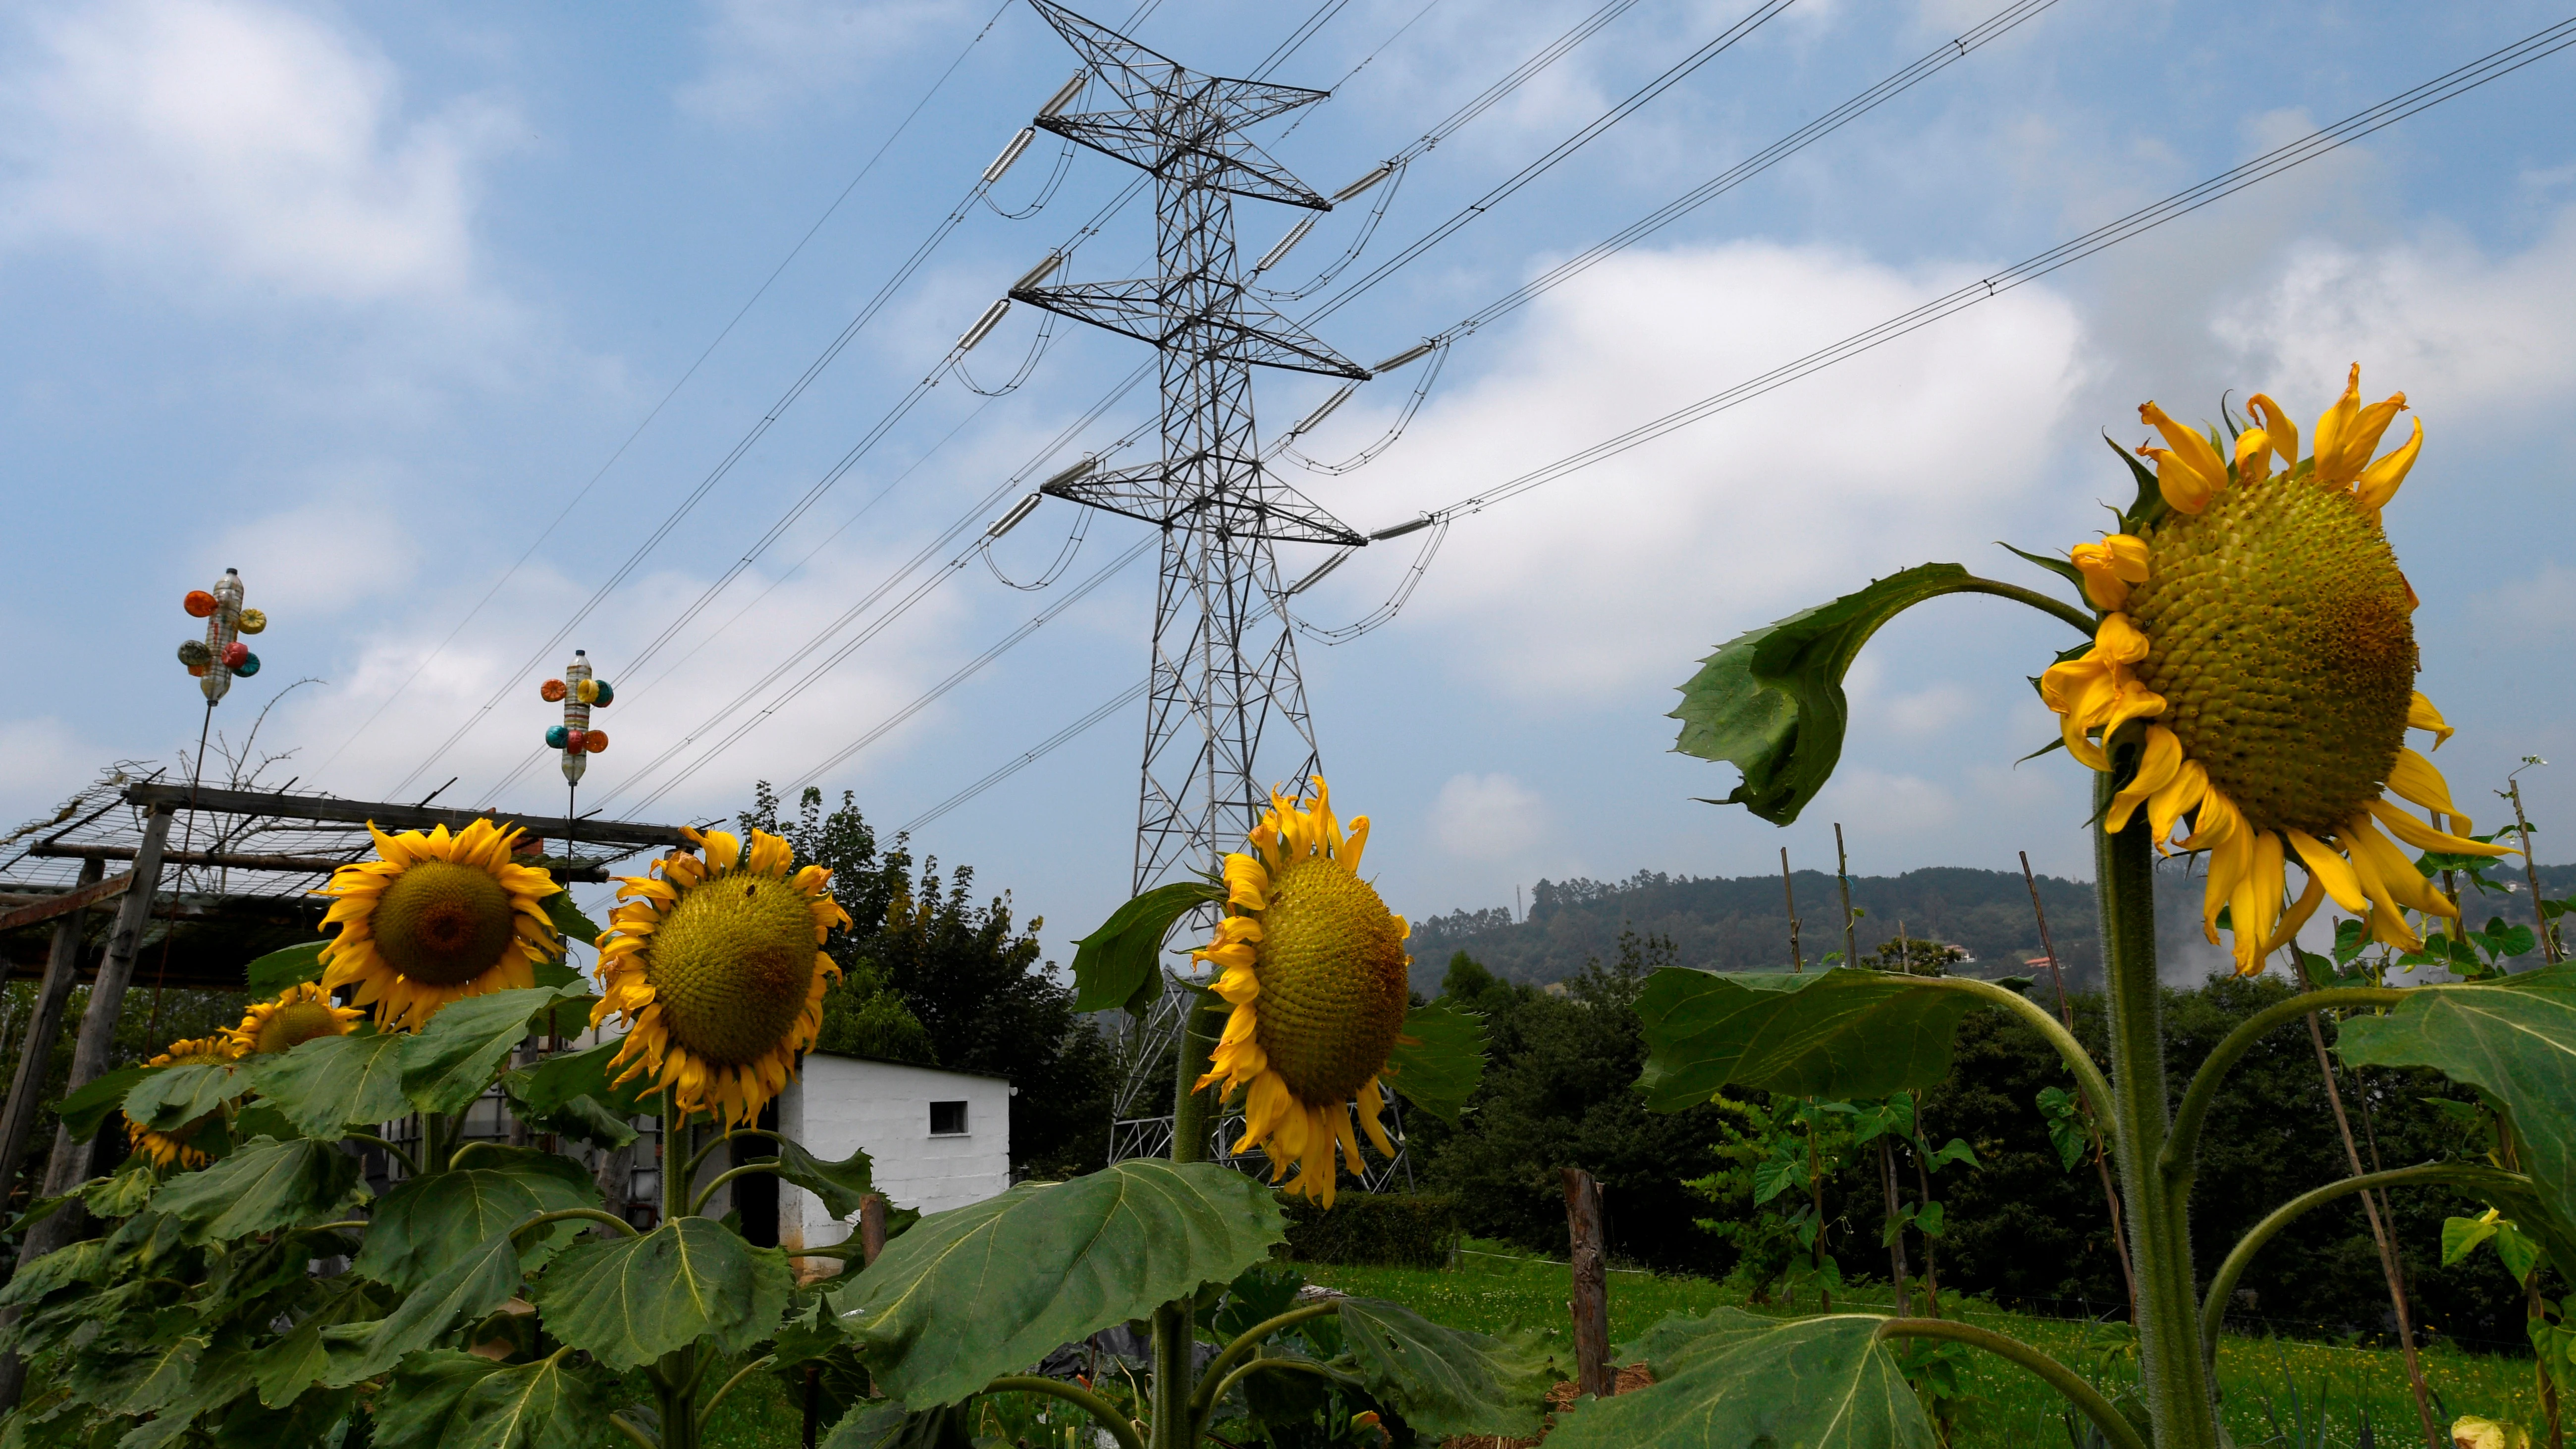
pixel 1224 655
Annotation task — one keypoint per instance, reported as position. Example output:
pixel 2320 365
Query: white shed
pixel 939 1139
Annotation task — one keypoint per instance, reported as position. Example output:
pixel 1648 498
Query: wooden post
pixel 70 1162
pixel 872 1225
pixel 1788 893
pixel 1842 873
pixel 1591 1304
pixel 27 1089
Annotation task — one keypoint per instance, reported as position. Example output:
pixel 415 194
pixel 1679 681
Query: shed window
pixel 947 1119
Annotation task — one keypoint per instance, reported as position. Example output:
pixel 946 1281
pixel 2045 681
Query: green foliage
pixel 329 1082
pixel 990 1288
pixel 262 1187
pixel 453 1059
pixel 427 1224
pixel 1119 966
pixel 629 1300
pixel 273 973
pixel 1412 1228
pixel 85 1111
pixel 1836 1033
pixel 1733 1379
pixel 1439 1057
pixel 1770 701
pixel 1444 1381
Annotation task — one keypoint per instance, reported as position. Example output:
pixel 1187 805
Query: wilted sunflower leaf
pixel 840 1184
pixel 263 1186
pixel 1118 966
pixel 988 1289
pixel 1447 1381
pixel 1839 1033
pixel 1735 1379
pixel 328 1084
pixel 1439 1058
pixel 628 1301
pixel 278 970
pixel 568 920
pixel 1770 702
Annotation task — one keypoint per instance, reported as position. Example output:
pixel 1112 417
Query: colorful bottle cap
pixel 249 664
pixel 575 741
pixel 196 654
pixel 605 693
pixel 552 691
pixel 594 741
pixel 586 690
pixel 199 603
pixel 234 654
pixel 253 620
pixel 555 737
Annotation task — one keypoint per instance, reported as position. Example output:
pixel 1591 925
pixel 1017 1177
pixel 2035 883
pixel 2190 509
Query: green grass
pixel 1492 1291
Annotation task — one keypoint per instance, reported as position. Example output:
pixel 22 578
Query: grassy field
pixel 1491 1291
pixel 2285 1393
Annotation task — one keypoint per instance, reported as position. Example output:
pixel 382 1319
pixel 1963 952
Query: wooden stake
pixel 2433 1435
pixel 1797 959
pixel 2101 1162
pixel 1896 1238
pixel 2549 950
pixel 872 1228
pixel 1591 1302
pixel 1842 874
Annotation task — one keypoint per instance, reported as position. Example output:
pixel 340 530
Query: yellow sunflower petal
pixel 2157 766
pixel 2332 873
pixel 2379 482
pixel 2279 431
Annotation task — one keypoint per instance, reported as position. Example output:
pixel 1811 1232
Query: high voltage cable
pixel 1031 756
pixel 1477 106
pixel 1554 154
pixel 726 331
pixel 2147 218
pixel 921 254
pixel 2458 82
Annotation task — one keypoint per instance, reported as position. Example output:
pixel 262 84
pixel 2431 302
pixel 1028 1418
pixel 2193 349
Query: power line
pixel 656 411
pixel 2455 83
pixel 1724 40
pixel 1031 756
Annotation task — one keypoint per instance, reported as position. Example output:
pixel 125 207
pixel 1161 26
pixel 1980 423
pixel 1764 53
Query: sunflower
pixel 715 965
pixel 298 1015
pixel 166 1150
pixel 1314 965
pixel 2261 629
pixel 438 918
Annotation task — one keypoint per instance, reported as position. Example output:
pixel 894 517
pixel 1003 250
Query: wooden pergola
pixel 236 884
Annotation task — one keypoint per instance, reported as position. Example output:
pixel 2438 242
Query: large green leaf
pixel 263 1186
pixel 1735 1380
pixel 428 1223
pixel 472 1286
pixel 450 1400
pixel 2516 1039
pixel 453 1059
pixel 332 1083
pixel 631 1300
pixel 840 1185
pixel 569 1093
pixel 83 1112
pixel 1438 1059
pixel 1118 966
pixel 568 920
pixel 887 1424
pixel 991 1288
pixel 1770 702
pixel 278 970
pixel 1837 1033
pixel 170 1099
pixel 147 1377
pixel 1447 1381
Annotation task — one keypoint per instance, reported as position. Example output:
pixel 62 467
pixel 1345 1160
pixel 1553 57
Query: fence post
pixel 1591 1303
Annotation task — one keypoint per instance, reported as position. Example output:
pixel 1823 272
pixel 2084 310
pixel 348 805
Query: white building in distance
pixel 938 1139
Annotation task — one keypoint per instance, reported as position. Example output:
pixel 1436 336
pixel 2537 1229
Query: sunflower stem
pixel 2170 1365
pixel 1172 1388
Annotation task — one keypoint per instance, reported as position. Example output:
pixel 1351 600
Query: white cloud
pixel 2460 331
pixel 304 563
pixel 1486 817
pixel 239 142
pixel 1921 449
pixel 766 55
pixel 37 757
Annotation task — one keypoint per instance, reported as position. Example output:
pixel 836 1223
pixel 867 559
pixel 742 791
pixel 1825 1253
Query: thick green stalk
pixel 2087 1400
pixel 2169 1360
pixel 1172 1428
pixel 679 1368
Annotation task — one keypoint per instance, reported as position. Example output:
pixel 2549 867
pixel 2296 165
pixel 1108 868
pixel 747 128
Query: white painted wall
pixel 842 1103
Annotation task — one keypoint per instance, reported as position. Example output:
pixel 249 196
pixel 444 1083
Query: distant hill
pixel 1742 924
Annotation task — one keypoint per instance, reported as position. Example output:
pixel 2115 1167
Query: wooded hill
pixel 1742 923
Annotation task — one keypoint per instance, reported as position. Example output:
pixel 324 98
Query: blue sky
pixel 360 298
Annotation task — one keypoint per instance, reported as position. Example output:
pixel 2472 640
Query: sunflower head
pixel 1314 966
pixel 298 1015
pixel 436 918
pixel 714 962
pixel 2257 648
pixel 166 1150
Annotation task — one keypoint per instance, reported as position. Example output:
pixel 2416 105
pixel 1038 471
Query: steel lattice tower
pixel 1224 654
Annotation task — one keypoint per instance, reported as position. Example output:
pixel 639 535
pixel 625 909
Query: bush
pixel 1384 1229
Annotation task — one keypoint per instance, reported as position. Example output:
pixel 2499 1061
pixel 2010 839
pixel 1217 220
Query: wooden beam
pixel 388 816
pixel 68 902
pixel 588 872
